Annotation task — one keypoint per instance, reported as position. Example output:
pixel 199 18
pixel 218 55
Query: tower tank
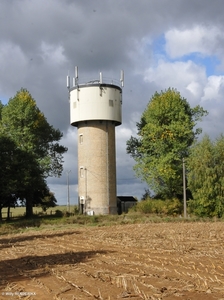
pixel 96 109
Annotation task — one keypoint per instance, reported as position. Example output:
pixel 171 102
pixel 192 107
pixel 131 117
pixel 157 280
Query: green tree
pixel 20 173
pixel 165 132
pixel 7 174
pixel 146 195
pixel 47 200
pixel 7 171
pixel 38 141
pixel 206 177
pixel 1 107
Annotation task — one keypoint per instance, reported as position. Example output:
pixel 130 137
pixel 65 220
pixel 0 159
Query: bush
pixel 163 207
pixel 76 210
pixel 174 207
pixel 58 213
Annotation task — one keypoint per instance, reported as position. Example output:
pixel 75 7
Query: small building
pixel 124 203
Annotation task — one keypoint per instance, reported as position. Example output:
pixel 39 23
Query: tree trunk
pixel 29 206
pixel 8 213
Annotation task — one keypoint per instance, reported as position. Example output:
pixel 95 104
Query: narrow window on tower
pixel 82 172
pixel 81 138
pixel 111 103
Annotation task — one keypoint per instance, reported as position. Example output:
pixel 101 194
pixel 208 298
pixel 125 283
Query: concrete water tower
pixel 96 109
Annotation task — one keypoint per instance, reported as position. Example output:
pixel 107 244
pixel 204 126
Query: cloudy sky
pixel 158 43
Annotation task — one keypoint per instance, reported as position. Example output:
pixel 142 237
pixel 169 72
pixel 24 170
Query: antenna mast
pixel 122 78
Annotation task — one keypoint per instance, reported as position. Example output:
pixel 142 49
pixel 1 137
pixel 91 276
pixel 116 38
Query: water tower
pixel 95 109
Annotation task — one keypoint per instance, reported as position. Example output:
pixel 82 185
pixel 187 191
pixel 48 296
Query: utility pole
pixel 68 196
pixel 184 191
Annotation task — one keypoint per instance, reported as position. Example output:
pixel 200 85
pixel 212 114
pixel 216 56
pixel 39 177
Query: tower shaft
pixel 97 166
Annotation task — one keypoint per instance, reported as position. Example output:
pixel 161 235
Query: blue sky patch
pixel 210 63
pixel 4 99
pixel 158 46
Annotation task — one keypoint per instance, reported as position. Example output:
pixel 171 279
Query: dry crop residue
pixel 140 261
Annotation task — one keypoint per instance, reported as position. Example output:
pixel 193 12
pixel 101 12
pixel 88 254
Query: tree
pixel 1 107
pixel 206 177
pixel 20 173
pixel 38 141
pixel 48 200
pixel 166 131
pixel 146 195
pixel 43 197
pixel 8 163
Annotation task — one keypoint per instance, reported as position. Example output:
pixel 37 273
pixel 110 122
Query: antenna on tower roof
pixel 101 78
pixel 122 78
pixel 76 75
pixel 68 86
pixel 76 72
pixel 68 82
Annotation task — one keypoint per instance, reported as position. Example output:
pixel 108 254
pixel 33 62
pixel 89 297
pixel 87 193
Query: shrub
pixel 58 213
pixel 76 210
pixel 157 206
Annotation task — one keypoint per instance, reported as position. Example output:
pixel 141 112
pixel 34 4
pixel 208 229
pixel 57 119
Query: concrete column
pixel 97 166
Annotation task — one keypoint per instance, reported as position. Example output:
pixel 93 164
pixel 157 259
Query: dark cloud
pixel 40 41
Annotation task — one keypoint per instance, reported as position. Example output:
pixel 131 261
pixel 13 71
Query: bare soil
pixel 140 261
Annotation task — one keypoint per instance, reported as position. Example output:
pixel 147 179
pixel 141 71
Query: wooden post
pixel 184 191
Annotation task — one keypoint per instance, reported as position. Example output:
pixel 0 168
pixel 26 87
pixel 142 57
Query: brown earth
pixel 140 261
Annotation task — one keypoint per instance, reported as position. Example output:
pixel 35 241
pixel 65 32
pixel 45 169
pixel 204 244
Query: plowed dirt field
pixel 139 261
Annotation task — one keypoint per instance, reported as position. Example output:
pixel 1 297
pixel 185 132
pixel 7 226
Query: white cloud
pixel 201 39
pixel 191 81
pixel 195 87
pixel 214 89
pixel 213 102
pixel 187 77
pixel 123 133
pixel 52 54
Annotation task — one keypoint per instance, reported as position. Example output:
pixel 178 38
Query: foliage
pixel 8 163
pixel 146 195
pixel 48 200
pixel 44 198
pixel 1 107
pixel 158 206
pixel 35 152
pixel 206 177
pixel 58 213
pixel 76 210
pixel 28 128
pixel 166 131
pixel 13 172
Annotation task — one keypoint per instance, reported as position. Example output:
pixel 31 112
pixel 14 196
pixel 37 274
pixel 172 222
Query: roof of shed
pixel 127 198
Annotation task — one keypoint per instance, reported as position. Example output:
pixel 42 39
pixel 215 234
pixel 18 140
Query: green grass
pixel 20 211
